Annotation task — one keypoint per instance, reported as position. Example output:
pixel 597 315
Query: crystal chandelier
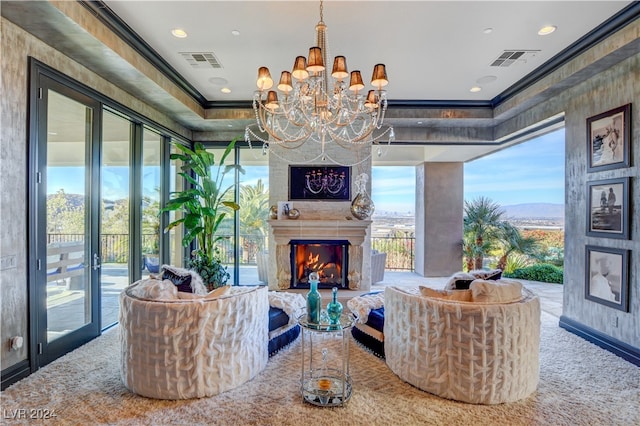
pixel 311 111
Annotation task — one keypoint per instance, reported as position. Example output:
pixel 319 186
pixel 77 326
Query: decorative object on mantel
pixel 313 111
pixel 362 205
pixel 273 212
pixel 314 299
pixel 293 214
pixel 283 209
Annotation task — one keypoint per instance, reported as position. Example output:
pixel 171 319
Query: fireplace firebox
pixel 329 258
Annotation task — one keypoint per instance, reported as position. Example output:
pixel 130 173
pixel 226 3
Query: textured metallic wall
pixel 13 218
pixel 16 46
pixel 613 88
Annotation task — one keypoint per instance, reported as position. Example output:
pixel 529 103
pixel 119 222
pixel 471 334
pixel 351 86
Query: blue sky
pixel 531 172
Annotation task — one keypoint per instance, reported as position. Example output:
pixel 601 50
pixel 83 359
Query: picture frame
pixel 607 276
pixel 320 183
pixel 609 139
pixel 608 208
pixel 283 209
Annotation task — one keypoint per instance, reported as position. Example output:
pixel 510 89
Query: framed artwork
pixel 320 183
pixel 607 278
pixel 609 139
pixel 283 209
pixel 608 208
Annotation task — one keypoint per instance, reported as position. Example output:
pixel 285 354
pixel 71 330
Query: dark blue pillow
pixel 493 274
pixel 461 284
pixel 182 281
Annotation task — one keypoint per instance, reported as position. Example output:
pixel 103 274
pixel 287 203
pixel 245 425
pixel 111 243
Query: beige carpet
pixel 580 384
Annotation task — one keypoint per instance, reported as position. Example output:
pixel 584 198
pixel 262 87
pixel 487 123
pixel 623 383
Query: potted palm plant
pixel 204 205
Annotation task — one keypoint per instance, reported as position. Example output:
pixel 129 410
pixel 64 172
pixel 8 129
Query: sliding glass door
pixel 98 174
pixel 115 213
pixel 65 247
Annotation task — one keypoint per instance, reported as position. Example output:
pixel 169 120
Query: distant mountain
pixel 534 210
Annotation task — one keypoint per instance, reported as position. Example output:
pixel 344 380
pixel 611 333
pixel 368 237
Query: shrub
pixel 516 261
pixel 542 272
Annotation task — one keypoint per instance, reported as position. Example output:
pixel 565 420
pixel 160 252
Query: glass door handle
pixel 96 262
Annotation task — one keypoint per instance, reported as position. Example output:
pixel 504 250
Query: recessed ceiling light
pixel 546 30
pixel 486 79
pixel 419 122
pixel 235 32
pixel 488 30
pixel 218 81
pixel 179 33
pixel 475 89
pixel 225 90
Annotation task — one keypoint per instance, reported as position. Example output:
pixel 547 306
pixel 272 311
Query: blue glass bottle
pixel 314 300
pixel 334 308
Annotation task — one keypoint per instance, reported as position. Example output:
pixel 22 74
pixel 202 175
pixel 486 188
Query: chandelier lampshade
pixel 339 68
pixel 300 68
pixel 355 83
pixel 315 64
pixel 321 108
pixel 264 79
pixel 272 101
pixel 379 78
pixel 285 85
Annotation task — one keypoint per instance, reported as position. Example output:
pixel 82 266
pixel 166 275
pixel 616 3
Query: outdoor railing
pixel 115 248
pixel 400 252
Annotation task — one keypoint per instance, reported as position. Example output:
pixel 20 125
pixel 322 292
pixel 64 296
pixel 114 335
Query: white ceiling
pixel 433 50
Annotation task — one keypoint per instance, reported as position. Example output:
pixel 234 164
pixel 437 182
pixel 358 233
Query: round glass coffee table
pixel 325 377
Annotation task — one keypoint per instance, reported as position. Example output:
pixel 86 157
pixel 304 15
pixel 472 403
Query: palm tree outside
pixel 482 226
pixel 487 232
pixel 512 242
pixel 254 213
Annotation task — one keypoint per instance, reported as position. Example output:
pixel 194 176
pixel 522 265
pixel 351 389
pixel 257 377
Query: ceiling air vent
pixel 201 59
pixel 509 57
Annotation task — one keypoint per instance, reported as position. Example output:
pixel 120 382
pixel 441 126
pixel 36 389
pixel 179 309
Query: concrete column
pixel 439 211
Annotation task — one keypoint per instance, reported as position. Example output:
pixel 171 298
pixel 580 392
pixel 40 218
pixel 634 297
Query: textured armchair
pixel 193 348
pixel 481 353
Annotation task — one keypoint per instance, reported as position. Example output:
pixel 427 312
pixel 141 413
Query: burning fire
pixel 313 264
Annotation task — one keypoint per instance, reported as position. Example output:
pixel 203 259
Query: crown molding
pixel 615 23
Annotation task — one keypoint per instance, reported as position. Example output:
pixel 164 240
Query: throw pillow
pixel 500 291
pixel 459 281
pixel 220 291
pixel 458 295
pixel 152 289
pixel 484 274
pixel 185 280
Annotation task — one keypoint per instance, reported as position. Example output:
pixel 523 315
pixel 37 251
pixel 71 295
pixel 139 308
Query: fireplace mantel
pixel 354 231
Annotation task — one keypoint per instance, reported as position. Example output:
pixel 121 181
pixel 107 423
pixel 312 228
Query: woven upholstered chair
pixel 193 348
pixel 481 353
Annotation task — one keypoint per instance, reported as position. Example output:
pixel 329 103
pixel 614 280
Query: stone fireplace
pixel 349 234
pixel 326 220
